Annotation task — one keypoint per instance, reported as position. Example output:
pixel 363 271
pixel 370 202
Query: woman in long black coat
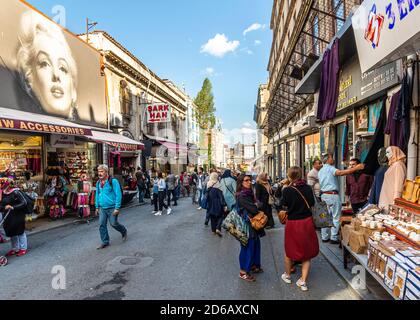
pixel 265 196
pixel 14 225
pixel 216 204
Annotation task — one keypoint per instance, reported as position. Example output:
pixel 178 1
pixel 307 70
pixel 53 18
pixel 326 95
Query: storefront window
pixel 283 172
pixel 312 151
pixel 21 158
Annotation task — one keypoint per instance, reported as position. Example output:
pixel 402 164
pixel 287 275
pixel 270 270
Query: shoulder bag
pixel 320 212
pixel 259 221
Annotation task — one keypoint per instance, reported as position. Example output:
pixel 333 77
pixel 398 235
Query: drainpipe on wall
pixel 412 156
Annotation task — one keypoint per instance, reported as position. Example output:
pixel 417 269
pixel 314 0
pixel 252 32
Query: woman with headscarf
pixel 250 256
pixel 228 186
pixel 393 185
pixel 11 199
pixel 216 204
pixel 265 195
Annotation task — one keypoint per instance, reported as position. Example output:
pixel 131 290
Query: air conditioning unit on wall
pixel 116 120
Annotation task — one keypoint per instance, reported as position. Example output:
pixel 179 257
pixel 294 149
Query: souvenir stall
pixel 71 171
pixel 385 238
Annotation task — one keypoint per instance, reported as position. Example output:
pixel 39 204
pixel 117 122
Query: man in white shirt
pixel 313 180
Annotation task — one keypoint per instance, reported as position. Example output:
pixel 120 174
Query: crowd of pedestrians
pixel 219 193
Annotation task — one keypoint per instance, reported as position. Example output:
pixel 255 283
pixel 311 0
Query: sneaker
pixel 125 237
pixel 302 285
pixel 21 253
pixel 199 208
pixel 219 233
pixel 154 212
pixel 334 242
pixel 158 214
pixel 326 241
pixel 169 211
pixel 286 278
pixel 102 246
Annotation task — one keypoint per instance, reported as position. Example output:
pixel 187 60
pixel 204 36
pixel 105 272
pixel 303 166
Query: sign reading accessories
pixel 42 127
pixel 386 30
pixel 158 113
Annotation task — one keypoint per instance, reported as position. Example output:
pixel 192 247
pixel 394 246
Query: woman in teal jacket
pixel 228 187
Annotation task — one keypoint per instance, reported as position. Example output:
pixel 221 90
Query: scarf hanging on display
pixel 378 141
pixel 345 148
pixel 402 112
pixel 329 88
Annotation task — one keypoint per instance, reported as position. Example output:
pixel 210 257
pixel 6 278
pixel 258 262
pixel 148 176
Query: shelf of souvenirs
pixel 412 207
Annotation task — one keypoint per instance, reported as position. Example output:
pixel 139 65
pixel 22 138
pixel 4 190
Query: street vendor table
pixel 362 259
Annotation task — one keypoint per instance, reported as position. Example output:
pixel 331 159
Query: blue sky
pixel 187 40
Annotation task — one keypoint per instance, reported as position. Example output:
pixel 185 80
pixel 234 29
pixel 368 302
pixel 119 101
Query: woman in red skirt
pixel 301 241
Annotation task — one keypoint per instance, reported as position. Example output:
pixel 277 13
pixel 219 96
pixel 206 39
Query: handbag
pixel 320 212
pixel 259 221
pixel 237 227
pixel 283 216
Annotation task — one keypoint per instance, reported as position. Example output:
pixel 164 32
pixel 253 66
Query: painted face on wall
pixel 52 81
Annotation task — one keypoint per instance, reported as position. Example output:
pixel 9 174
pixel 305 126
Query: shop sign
pixel 158 113
pixel 46 69
pixel 60 141
pixel 355 86
pixel 349 90
pixel 41 127
pixel 124 146
pixel 386 30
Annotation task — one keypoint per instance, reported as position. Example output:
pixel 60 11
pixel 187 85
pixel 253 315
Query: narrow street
pixel 169 257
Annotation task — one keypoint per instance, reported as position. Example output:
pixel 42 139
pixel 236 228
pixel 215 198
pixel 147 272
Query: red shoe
pixel 21 253
pixel 11 253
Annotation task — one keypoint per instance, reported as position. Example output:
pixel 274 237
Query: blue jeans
pixel 334 204
pixel 19 242
pixel 250 255
pixel 104 216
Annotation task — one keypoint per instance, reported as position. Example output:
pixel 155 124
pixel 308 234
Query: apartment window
pixel 338 6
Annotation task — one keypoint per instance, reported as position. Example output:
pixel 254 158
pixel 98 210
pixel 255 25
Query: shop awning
pixel 174 146
pixel 11 119
pixel 116 140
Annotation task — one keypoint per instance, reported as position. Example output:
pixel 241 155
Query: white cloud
pixel 247 50
pixel 247 134
pixel 257 42
pixel 254 27
pixel 209 71
pixel 219 46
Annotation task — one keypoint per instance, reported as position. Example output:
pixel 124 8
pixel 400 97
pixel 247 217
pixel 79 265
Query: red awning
pixel 118 141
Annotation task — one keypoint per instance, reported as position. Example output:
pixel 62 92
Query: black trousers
pixel 162 201
pixel 172 197
pixel 269 213
pixel 155 201
pixel 216 223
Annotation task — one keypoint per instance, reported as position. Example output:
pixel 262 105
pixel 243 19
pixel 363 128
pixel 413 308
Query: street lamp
pixel 89 26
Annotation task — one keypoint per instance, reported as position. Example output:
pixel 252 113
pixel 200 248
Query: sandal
pixel 257 270
pixel 246 277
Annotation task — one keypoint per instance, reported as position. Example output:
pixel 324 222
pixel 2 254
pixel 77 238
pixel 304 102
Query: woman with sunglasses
pixel 250 256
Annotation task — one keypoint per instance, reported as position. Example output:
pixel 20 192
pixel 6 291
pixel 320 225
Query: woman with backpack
pixel 14 206
pixel 265 196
